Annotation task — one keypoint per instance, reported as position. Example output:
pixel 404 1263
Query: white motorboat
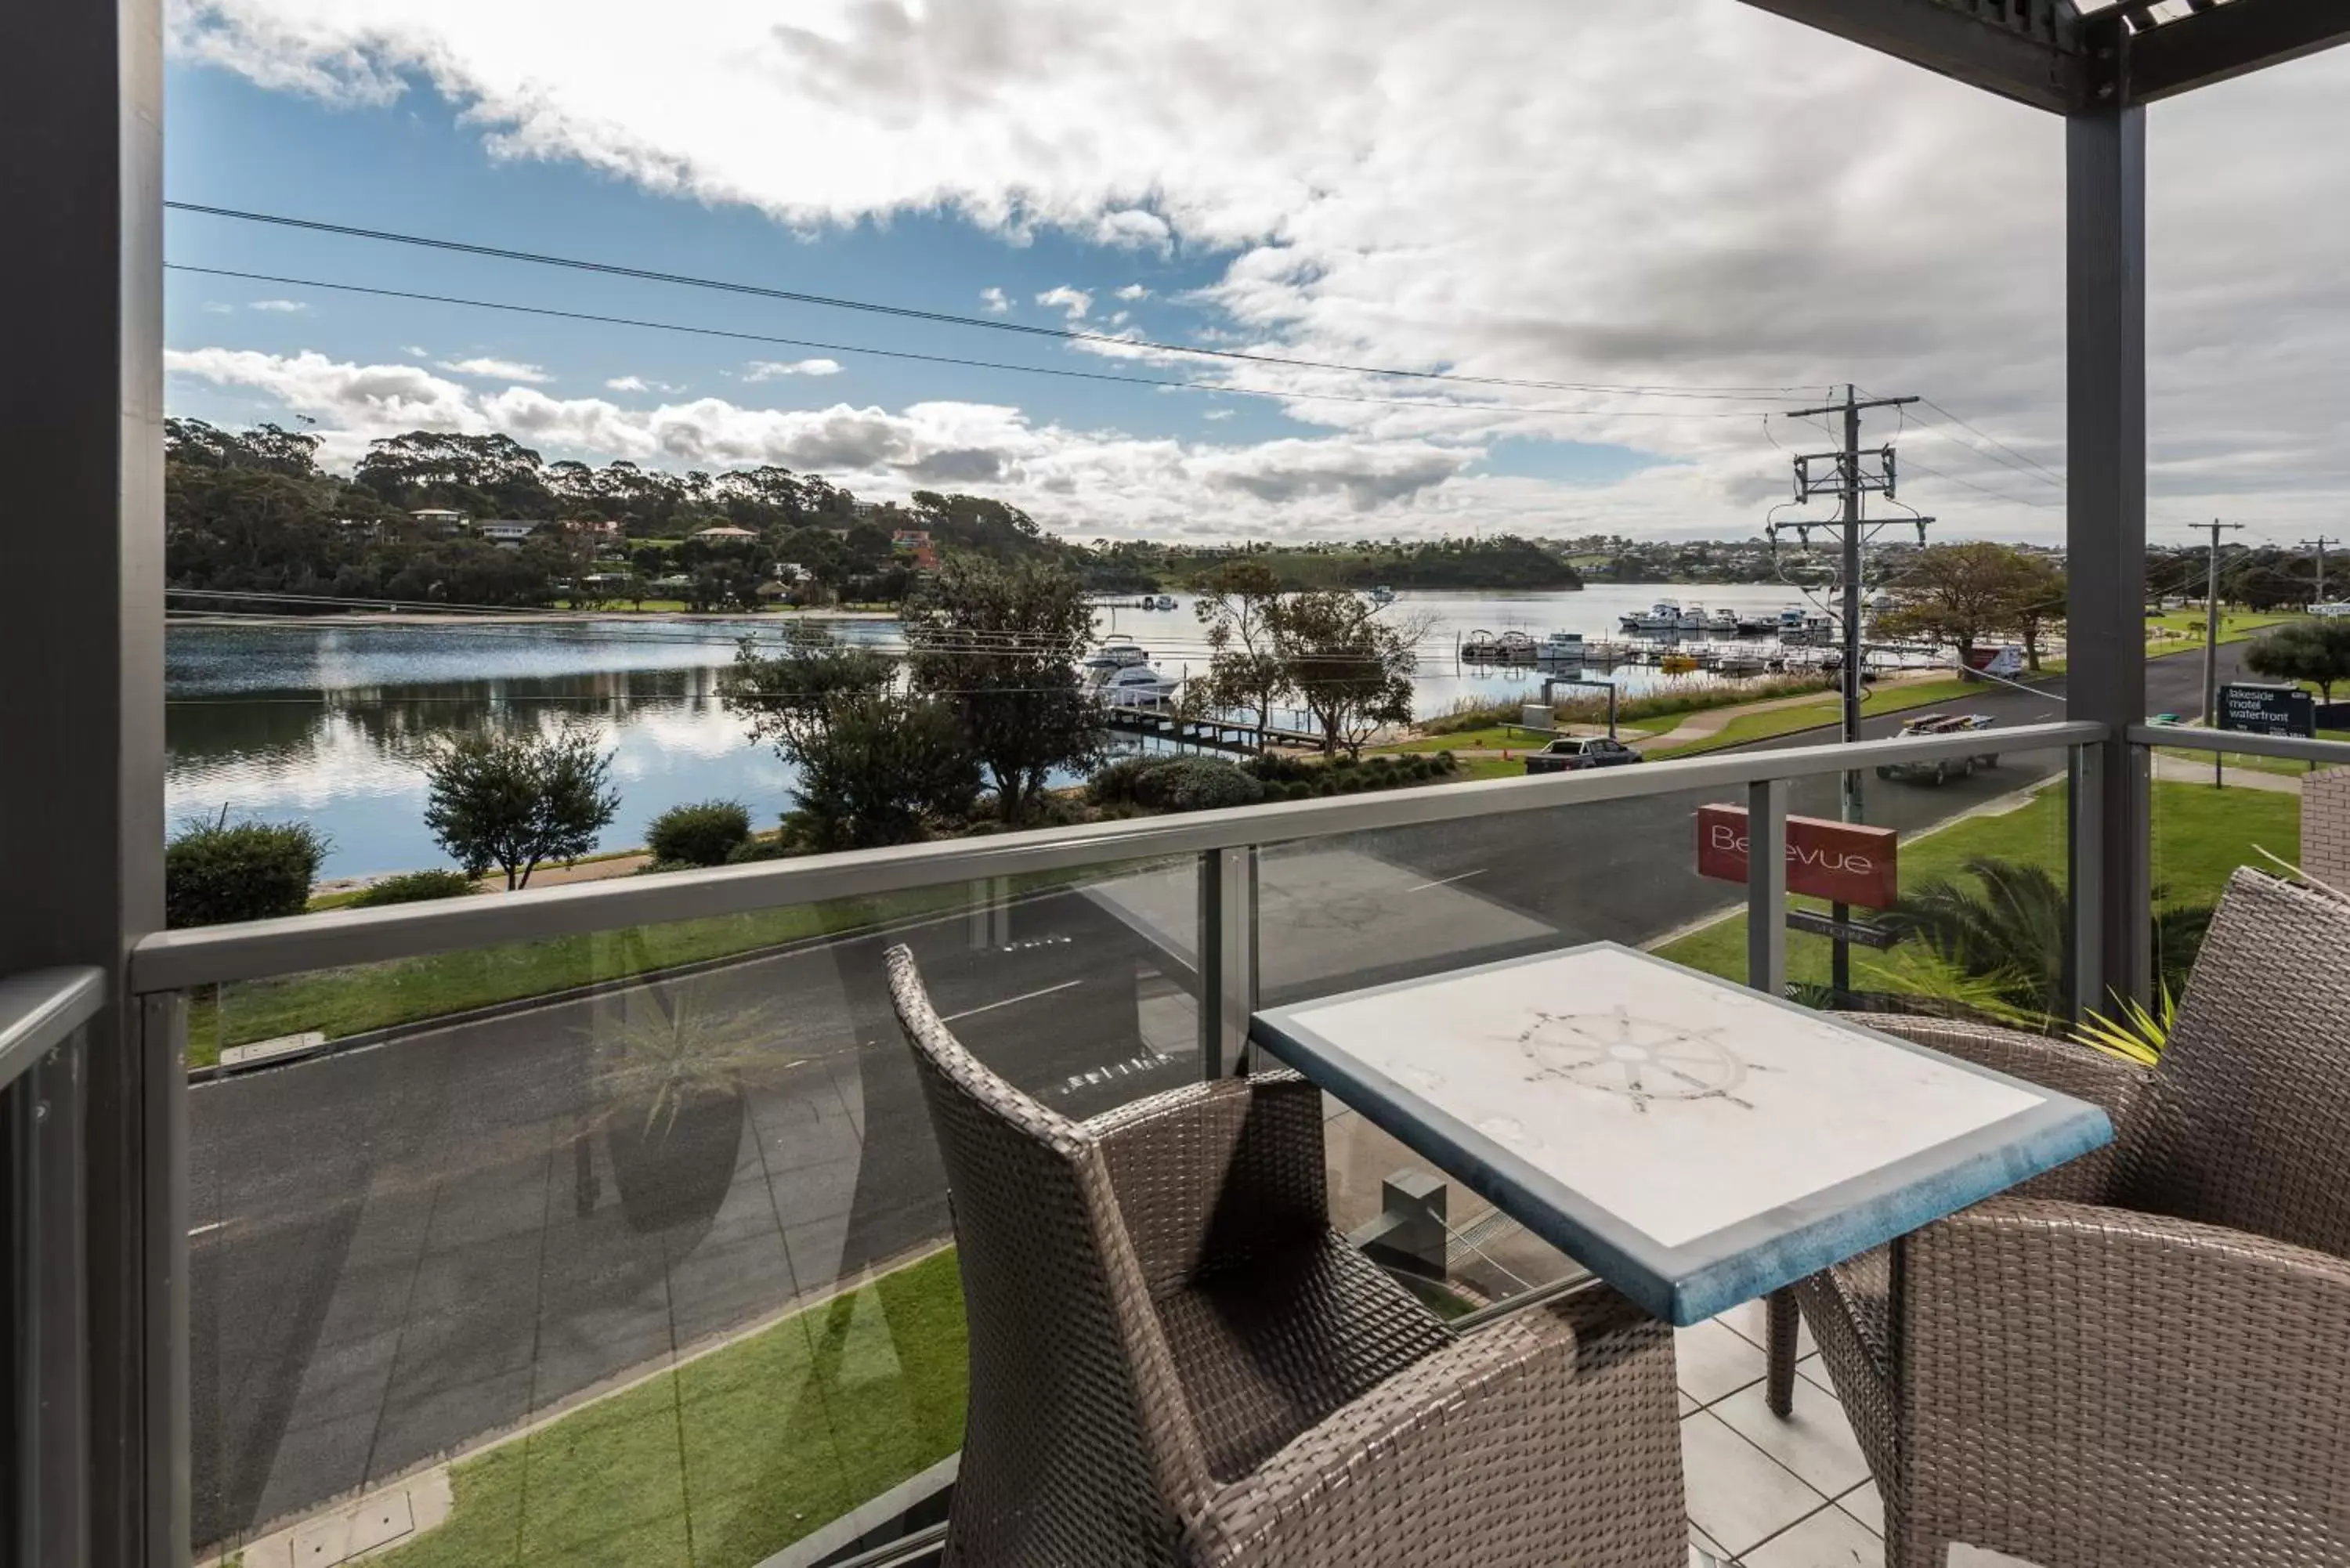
pixel 1665 615
pixel 1138 686
pixel 1116 656
pixel 1693 618
pixel 1382 595
pixel 1560 647
pixel 1723 623
pixel 1163 602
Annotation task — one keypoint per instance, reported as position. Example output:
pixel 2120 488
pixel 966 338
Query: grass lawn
pixel 1771 722
pixel 2235 626
pixel 2200 836
pixel 373 996
pixel 726 1460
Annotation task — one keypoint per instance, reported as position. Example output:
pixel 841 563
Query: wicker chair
pixel 1175 1361
pixel 2141 1357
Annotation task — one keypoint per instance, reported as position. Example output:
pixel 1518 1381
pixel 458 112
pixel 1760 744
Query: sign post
pixel 1844 863
pixel 2256 709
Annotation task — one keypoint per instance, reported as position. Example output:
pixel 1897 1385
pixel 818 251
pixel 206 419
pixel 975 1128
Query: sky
pixel 1614 245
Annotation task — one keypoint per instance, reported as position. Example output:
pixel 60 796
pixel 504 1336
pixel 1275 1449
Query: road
pixel 399 1250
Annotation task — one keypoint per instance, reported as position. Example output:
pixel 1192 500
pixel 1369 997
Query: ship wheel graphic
pixel 1643 1060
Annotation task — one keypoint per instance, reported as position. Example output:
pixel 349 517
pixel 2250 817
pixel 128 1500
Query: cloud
pixel 995 299
pixel 768 369
pixel 1061 296
pixel 279 306
pixel 1727 228
pixel 1093 481
pixel 639 384
pixel 417 351
pixel 1134 291
pixel 1217 414
pixel 497 370
pixel 219 307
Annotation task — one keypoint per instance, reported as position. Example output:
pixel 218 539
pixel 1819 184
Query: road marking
pixel 1442 881
pixel 208 1230
pixel 1008 1000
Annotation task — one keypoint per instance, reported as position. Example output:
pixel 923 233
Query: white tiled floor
pixel 1772 1493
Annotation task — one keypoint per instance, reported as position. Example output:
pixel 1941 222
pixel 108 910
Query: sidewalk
pixel 2197 770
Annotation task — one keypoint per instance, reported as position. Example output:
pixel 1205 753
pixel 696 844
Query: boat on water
pixel 1740 664
pixel 1678 663
pixel 1560 647
pixel 1757 625
pixel 1481 647
pixel 1665 615
pixel 1163 602
pixel 1723 623
pixel 1113 656
pixel 1381 594
pixel 1137 686
pixel 1692 618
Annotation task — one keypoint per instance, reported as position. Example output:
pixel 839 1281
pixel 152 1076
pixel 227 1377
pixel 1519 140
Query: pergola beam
pixel 2229 40
pixel 2020 49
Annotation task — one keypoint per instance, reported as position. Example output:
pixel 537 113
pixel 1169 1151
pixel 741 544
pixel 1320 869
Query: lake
pixel 330 724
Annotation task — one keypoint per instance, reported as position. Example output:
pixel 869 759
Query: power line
pixel 2045 473
pixel 615 269
pixel 1210 388
pixel 1983 489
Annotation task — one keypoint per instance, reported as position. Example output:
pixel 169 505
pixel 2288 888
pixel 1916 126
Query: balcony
pixel 604 1224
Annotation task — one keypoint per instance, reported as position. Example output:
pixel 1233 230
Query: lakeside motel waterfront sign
pixel 2267 710
pixel 1842 862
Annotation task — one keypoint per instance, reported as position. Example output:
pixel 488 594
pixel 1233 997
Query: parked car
pixel 1573 754
pixel 1946 768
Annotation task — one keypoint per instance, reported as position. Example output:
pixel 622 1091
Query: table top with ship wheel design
pixel 1694 1143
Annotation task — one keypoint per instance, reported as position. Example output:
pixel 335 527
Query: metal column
pixel 2105 499
pixel 1227 960
pixel 81 796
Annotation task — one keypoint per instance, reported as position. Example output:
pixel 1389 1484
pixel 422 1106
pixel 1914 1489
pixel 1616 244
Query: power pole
pixel 1848 483
pixel 2211 639
pixel 2321 542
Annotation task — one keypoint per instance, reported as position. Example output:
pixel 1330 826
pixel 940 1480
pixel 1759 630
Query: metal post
pixel 2106 503
pixel 1766 971
pixel 2211 651
pixel 2086 867
pixel 81 793
pixel 1840 951
pixel 1228 958
pixel 1766 885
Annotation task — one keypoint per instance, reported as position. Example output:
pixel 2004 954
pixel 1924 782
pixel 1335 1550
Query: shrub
pixel 1114 783
pixel 215 872
pixel 1469 714
pixel 1274 768
pixel 412 888
pixel 1326 786
pixel 704 833
pixel 1344 762
pixel 1446 762
pixel 751 849
pixel 1196 783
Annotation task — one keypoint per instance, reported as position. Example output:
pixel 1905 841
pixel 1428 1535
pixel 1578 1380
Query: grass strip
pixel 727 1459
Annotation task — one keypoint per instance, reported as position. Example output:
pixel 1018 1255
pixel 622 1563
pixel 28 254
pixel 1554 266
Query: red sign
pixel 1839 861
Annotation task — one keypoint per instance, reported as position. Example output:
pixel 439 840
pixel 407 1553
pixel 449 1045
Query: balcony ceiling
pixel 2066 55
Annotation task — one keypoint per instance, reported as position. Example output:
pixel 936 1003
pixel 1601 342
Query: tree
pixel 2317 652
pixel 999 647
pixel 883 763
pixel 514 801
pixel 216 872
pixel 1963 593
pixel 2036 598
pixel 873 764
pixel 1244 670
pixel 1348 667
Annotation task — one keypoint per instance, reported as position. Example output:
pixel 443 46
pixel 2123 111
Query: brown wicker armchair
pixel 1175 1361
pixel 2142 1357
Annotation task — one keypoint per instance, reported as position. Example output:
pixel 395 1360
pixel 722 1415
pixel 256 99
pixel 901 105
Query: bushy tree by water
pixel 2317 652
pixel 1348 666
pixel 216 871
pixel 516 800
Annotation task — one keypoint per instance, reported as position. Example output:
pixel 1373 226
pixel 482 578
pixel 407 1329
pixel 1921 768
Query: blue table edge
pixel 1710 1273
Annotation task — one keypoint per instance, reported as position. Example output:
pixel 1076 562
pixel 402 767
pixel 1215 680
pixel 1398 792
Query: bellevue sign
pixel 1841 862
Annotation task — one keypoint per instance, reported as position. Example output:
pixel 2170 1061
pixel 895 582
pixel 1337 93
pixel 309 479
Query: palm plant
pixel 2007 924
pixel 675 1052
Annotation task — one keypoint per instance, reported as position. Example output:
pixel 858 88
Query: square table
pixel 1694 1143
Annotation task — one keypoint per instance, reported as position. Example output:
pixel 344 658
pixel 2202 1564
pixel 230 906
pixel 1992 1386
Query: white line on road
pixel 1442 881
pixel 208 1230
pixel 1008 1000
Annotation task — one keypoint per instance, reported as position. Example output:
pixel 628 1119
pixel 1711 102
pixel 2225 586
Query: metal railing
pixel 1226 845
pixel 178 961
pixel 42 1016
